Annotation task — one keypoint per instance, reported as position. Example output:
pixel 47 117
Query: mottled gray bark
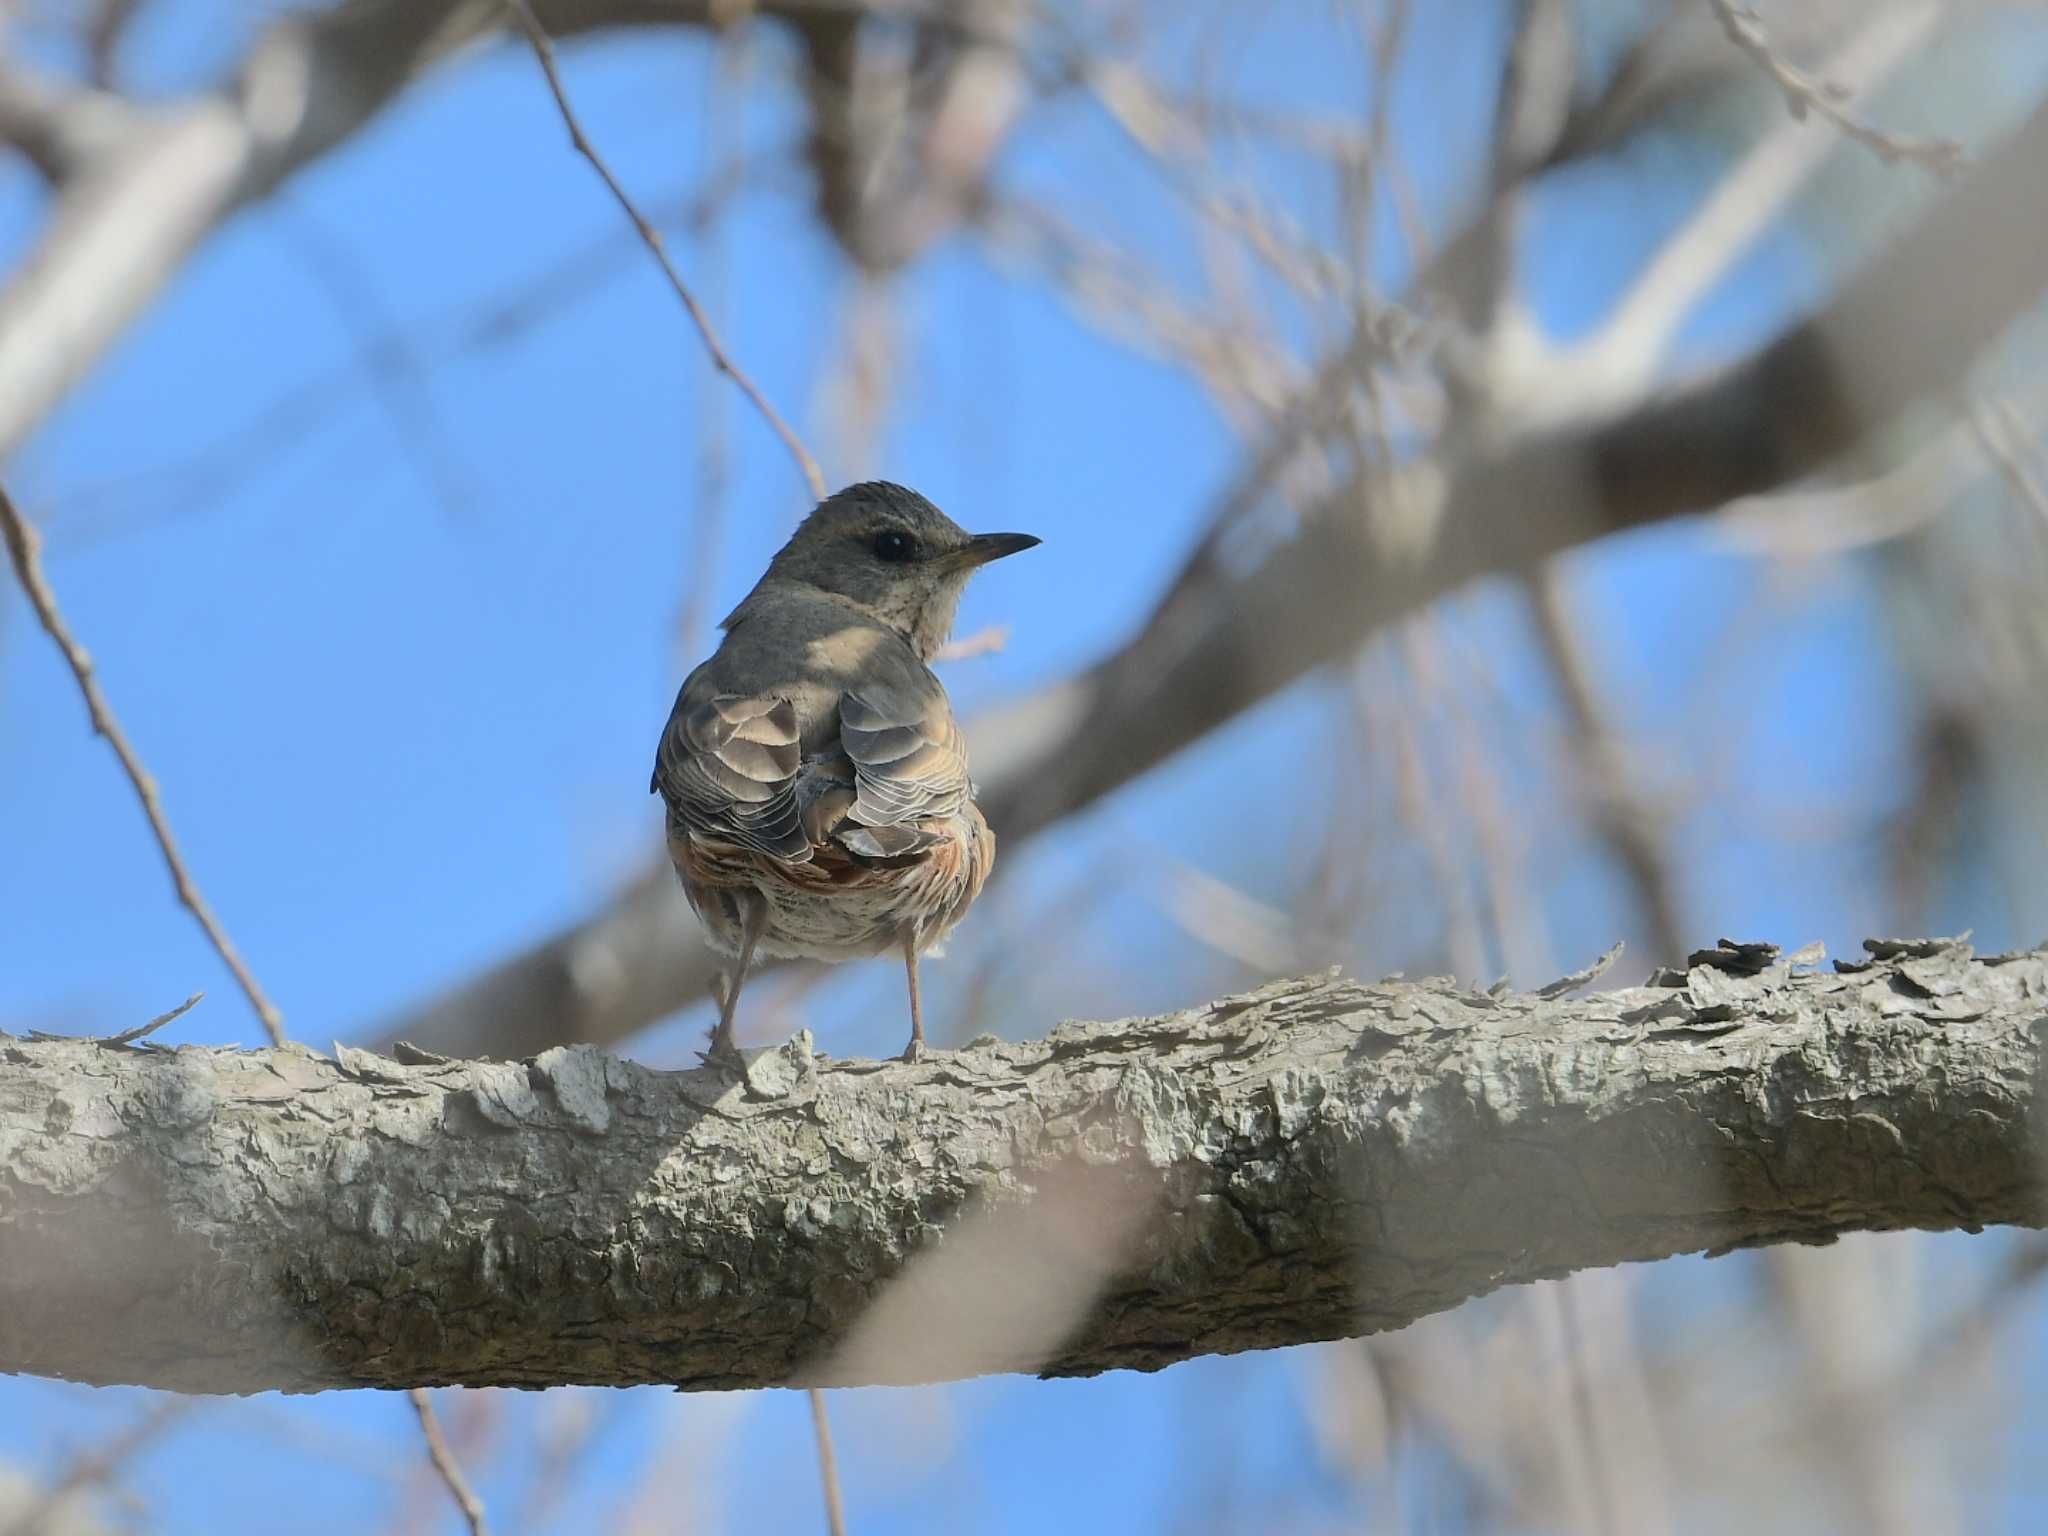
pixel 1317 1159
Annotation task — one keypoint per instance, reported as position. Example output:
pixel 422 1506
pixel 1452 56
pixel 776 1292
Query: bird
pixel 816 784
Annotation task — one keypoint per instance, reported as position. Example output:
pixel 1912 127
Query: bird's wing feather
pixel 728 764
pixel 909 759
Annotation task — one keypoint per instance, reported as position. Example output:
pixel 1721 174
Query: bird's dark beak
pixel 984 547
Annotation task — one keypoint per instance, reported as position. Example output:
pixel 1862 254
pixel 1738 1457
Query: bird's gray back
pixel 813 651
pixel 812 721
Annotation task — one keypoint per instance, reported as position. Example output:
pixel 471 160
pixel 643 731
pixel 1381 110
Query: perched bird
pixel 816 780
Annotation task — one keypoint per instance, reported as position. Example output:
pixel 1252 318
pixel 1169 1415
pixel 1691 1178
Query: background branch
pixel 544 52
pixel 446 1466
pixel 24 551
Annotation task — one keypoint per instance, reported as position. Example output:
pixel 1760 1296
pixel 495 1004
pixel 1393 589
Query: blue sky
pixel 400 666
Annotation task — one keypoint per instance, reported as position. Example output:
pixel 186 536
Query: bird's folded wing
pixel 909 762
pixel 727 766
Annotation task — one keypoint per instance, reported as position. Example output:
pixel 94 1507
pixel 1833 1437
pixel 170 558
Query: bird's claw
pixel 914 1052
pixel 723 1053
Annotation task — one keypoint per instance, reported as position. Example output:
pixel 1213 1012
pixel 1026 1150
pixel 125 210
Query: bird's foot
pixel 723 1052
pixel 915 1052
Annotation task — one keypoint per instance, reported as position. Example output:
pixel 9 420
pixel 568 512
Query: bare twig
pixel 1403 725
pixel 863 382
pixel 1565 985
pixel 445 1463
pixel 1630 348
pixel 57 127
pixel 1626 819
pixel 97 1466
pixel 1140 108
pixel 544 51
pixel 1806 92
pixel 1231 921
pixel 1249 377
pixel 24 546
pixel 128 1037
pixel 144 198
pixel 577 1422
pixel 398 373
pixel 2000 431
pixel 986 641
pixel 726 143
pixel 212 470
pixel 828 1465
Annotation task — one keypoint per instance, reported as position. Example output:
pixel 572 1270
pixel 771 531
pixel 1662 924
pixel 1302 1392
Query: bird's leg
pixel 724 1047
pixel 915 1050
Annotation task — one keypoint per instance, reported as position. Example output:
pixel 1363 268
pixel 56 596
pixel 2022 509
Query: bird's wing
pixel 727 766
pixel 909 764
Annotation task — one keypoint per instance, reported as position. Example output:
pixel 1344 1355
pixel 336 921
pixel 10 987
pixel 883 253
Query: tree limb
pixel 139 191
pixel 1315 1160
pixel 129 214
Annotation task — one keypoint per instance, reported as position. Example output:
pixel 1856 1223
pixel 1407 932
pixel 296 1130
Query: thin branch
pixel 1139 107
pixel 1532 113
pixel 986 641
pixel 1631 346
pixel 1806 92
pixel 213 469
pixel 1564 986
pixel 24 546
pixel 725 144
pixel 1249 377
pixel 828 1465
pixel 2000 431
pixel 94 1468
pixel 143 1031
pixel 58 127
pixel 1625 818
pixel 1228 920
pixel 446 1465
pixel 398 373
pixel 144 198
pixel 544 52
pixel 864 378
pixel 128 1037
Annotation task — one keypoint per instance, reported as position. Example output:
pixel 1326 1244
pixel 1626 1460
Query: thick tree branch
pixel 141 188
pixel 129 213
pixel 1314 1160
pixel 1904 330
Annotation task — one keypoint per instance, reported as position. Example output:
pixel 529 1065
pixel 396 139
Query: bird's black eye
pixel 894 545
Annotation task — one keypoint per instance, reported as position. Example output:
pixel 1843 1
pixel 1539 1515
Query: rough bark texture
pixel 1317 1159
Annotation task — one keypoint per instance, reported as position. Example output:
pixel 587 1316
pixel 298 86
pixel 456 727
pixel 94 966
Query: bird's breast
pixel 836 907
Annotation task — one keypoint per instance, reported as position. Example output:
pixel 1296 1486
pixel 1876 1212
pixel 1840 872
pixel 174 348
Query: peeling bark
pixel 1314 1160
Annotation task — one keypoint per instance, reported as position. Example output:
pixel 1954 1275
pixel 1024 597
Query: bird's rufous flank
pixel 816 781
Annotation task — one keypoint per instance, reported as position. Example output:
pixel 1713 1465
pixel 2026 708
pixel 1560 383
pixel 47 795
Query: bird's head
pixel 892 554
